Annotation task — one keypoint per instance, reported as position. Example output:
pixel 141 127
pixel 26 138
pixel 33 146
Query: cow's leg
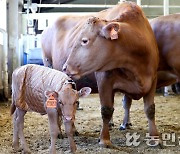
pixel 177 87
pixel 20 127
pixel 149 108
pixel 111 123
pixel 107 107
pixel 15 131
pixel 126 101
pixel 53 128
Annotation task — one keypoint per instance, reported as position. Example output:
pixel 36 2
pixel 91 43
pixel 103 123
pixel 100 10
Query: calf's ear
pixel 49 93
pixel 84 92
pixel 110 30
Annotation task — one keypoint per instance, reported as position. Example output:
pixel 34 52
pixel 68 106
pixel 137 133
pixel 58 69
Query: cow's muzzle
pixel 72 73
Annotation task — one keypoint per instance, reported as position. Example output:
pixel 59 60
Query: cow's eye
pixel 85 41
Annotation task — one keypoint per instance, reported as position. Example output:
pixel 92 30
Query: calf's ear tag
pixel 51 102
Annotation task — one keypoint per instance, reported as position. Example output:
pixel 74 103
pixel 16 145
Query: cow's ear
pixel 84 92
pixel 49 93
pixel 110 31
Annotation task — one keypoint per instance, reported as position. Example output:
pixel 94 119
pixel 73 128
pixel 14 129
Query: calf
pixel 46 91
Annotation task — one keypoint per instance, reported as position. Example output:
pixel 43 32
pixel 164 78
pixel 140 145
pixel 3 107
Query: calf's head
pixel 67 99
pixel 93 48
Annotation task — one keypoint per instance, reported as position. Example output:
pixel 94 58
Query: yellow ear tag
pixel 51 102
pixel 113 34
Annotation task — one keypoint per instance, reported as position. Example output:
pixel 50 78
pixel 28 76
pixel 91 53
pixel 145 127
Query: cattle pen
pixel 90 77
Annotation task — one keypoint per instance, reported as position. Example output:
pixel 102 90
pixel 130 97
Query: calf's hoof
pixel 27 151
pixel 16 146
pixel 126 126
pixel 79 108
pixel 73 151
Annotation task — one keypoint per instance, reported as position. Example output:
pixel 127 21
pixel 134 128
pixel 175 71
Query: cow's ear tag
pixel 51 102
pixel 113 34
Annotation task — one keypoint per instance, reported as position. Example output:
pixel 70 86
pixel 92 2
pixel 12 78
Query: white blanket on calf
pixel 29 83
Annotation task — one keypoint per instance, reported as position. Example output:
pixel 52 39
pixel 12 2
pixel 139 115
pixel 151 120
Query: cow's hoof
pixel 107 144
pixel 76 133
pixel 122 128
pixel 60 136
pixel 126 126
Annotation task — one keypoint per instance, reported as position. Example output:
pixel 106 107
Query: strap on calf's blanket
pixel 72 83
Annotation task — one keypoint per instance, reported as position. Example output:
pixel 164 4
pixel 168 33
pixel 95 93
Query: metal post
pixel 139 2
pixel 13 53
pixel 166 7
pixel 5 66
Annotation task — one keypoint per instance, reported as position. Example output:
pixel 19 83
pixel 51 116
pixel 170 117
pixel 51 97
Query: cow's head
pixel 93 47
pixel 67 99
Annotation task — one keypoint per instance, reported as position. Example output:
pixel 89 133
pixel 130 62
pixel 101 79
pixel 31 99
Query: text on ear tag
pixel 113 34
pixel 51 102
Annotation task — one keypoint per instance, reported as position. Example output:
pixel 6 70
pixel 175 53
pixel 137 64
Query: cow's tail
pixel 13 106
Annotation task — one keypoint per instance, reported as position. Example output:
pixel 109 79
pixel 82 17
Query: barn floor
pixel 88 123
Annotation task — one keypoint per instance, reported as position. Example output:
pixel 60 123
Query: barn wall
pixel 1 81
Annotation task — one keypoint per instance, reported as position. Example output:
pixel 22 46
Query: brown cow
pixel 30 84
pixel 127 51
pixel 167 33
pixel 56 48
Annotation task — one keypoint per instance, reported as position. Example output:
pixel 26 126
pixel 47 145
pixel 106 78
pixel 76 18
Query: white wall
pixel 3 18
pixel 3 15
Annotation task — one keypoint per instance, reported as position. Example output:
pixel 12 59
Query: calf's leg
pixel 53 128
pixel 59 122
pixel 20 127
pixel 15 131
pixel 69 126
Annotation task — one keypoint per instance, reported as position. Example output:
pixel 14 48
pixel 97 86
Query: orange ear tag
pixel 51 102
pixel 113 34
